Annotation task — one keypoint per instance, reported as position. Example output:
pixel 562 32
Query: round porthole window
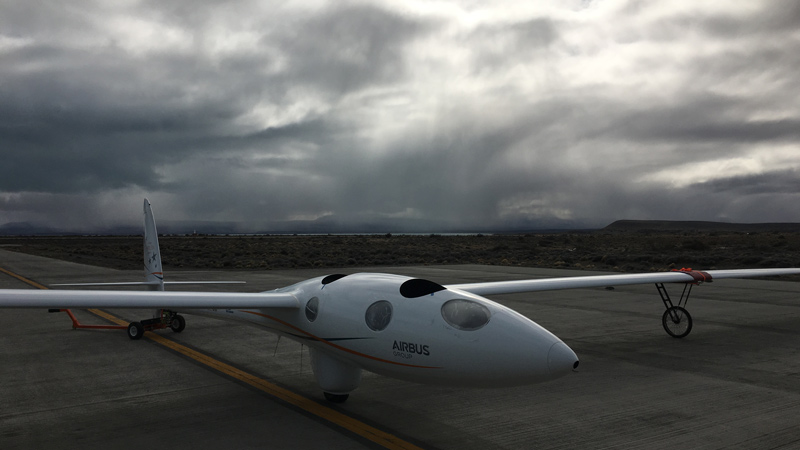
pixel 378 315
pixel 312 307
pixel 465 314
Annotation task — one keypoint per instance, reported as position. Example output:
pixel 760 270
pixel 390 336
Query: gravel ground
pixel 632 251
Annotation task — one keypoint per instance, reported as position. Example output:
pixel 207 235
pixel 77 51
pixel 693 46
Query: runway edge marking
pixel 331 415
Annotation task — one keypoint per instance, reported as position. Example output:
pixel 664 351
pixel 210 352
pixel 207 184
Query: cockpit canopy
pixel 417 287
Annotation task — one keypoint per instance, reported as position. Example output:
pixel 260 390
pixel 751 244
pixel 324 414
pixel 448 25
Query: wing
pixel 148 283
pixel 550 284
pixel 35 298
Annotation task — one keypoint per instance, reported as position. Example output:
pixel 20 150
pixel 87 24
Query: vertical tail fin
pixel 153 273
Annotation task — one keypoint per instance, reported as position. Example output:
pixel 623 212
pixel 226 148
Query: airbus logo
pixel 405 348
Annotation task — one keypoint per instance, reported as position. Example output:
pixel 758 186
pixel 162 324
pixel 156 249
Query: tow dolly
pixel 166 319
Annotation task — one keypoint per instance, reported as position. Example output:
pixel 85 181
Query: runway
pixel 733 382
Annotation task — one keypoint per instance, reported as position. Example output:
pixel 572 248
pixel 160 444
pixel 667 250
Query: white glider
pixel 407 328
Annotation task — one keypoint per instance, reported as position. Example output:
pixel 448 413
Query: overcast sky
pixel 472 113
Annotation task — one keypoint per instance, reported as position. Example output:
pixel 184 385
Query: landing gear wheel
pixel 178 323
pixel 336 398
pixel 135 330
pixel 677 322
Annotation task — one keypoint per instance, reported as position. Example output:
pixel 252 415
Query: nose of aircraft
pixel 561 359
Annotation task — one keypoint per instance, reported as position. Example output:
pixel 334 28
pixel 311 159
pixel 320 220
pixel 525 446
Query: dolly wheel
pixel 135 330
pixel 336 398
pixel 178 323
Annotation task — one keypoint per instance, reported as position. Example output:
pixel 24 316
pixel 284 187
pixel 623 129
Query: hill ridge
pixel 699 225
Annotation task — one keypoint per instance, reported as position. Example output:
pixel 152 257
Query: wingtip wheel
pixel 135 330
pixel 677 322
pixel 676 319
pixel 336 398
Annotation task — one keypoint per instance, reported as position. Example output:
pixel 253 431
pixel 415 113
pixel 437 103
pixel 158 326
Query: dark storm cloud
pixel 479 117
pixel 93 123
pixel 702 119
pixel 773 182
pixel 345 48
pixel 773 17
pixel 97 119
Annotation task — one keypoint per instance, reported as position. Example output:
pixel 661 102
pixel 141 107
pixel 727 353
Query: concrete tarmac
pixel 734 382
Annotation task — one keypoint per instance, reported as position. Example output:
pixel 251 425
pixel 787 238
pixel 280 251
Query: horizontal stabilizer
pixel 35 298
pixel 147 283
pixel 119 283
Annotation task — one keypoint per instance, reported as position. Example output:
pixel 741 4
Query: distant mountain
pixel 325 225
pixel 676 226
pixel 380 225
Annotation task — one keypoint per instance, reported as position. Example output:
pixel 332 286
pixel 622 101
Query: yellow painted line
pixel 343 420
pixel 23 279
pixel 108 317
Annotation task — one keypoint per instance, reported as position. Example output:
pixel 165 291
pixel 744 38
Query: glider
pixel 402 327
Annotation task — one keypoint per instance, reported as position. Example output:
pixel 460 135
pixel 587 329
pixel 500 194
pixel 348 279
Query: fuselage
pixel 415 330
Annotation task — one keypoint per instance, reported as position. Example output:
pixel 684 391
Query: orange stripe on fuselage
pixel 338 347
